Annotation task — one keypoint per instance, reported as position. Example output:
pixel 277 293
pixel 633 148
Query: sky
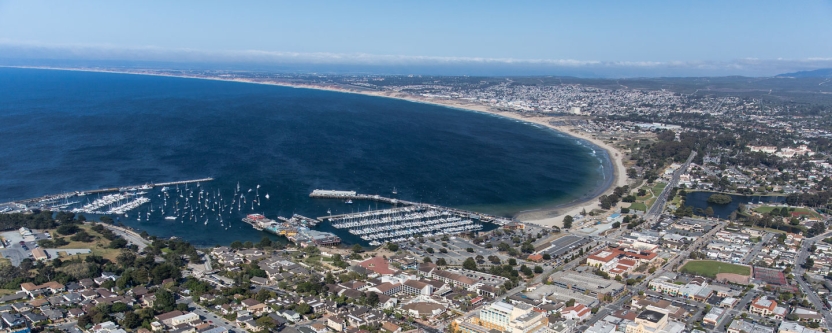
pixel 612 37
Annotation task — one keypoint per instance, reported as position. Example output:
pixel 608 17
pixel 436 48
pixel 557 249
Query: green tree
pixel 236 245
pixel 265 242
pixel 131 320
pixel 393 247
pixel 512 262
pixel 567 221
pixel 357 248
pixel 372 299
pixel 426 260
pixel 441 262
pixel 547 256
pixel 470 264
pixel 182 307
pixel 164 301
pixel 538 269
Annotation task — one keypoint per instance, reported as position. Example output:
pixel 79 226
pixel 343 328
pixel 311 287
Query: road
pixel 757 247
pixel 210 316
pixel 130 236
pixel 736 310
pixel 811 294
pixel 653 213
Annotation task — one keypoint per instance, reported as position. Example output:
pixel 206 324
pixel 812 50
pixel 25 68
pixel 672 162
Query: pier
pixel 353 195
pixel 47 200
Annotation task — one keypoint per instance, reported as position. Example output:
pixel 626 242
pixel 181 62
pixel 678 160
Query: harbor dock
pixel 402 223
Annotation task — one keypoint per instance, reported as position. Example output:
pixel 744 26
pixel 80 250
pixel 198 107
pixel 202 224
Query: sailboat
pixel 394 190
pixel 267 196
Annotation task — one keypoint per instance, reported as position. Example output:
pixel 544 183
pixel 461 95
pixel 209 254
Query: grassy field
pixel 797 211
pixel 98 246
pixel 645 201
pixel 710 268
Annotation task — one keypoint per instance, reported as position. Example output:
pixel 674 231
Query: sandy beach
pixel 549 216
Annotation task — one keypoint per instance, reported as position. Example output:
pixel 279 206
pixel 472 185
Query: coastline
pixel 547 216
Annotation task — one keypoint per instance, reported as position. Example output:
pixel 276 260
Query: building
pixel 742 326
pixel 504 317
pixel 377 265
pixel 39 254
pixel 767 308
pixel 793 327
pixel 577 312
pixel 653 321
pixel 452 278
pixel 414 287
pixel 591 285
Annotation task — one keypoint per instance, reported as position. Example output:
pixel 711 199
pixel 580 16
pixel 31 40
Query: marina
pixel 399 224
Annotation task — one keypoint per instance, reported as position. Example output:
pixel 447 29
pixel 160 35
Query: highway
pixel 653 213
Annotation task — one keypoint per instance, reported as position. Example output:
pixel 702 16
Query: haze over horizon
pixel 600 39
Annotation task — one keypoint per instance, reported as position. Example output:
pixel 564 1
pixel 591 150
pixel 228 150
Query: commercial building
pixel 588 284
pixel 504 317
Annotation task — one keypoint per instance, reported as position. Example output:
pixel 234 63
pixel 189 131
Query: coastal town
pixel 717 221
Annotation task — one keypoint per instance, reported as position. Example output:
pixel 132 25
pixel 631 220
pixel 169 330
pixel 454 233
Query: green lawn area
pixel 98 246
pixel 658 188
pixel 800 211
pixel 710 268
pixel 638 206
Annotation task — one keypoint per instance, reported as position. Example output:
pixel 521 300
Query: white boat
pixel 170 217
pixel 267 196
pixel 348 201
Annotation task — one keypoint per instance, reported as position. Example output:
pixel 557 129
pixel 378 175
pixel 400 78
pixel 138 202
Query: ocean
pixel 65 131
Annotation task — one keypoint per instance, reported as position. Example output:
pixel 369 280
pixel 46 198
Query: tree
pixel 709 211
pixel 426 260
pixel 182 307
pixel 265 242
pixel 538 269
pixel 164 301
pixel 719 199
pixel 67 229
pixel 441 262
pixel 329 279
pixel 512 262
pixel 429 250
pixel 470 250
pixel 304 308
pixel 372 299
pixel 547 256
pixel 616 225
pixel 809 263
pixel 119 307
pixel 570 302
pixel 567 222
pixel 357 248
pixel 131 320
pixel 470 264
pixel 393 247
pixel 236 245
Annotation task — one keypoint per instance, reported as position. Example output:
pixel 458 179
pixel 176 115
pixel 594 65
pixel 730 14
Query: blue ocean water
pixel 68 131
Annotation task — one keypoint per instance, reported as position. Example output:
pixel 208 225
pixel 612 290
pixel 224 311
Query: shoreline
pixel 546 216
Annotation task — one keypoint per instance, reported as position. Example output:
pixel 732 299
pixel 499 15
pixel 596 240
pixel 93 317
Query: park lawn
pixel 710 268
pixel 638 206
pixel 658 188
pixel 98 246
pixel 647 195
pixel 797 211
pixel 4 292
pixel 5 261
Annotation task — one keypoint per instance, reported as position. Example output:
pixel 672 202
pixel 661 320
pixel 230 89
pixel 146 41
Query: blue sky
pixel 730 37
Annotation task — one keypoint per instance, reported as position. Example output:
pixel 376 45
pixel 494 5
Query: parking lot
pixel 15 251
pixel 457 250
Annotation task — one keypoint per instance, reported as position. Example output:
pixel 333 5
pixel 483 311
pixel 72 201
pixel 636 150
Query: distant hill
pixel 823 72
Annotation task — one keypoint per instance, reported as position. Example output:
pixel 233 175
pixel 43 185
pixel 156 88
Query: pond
pixel 699 199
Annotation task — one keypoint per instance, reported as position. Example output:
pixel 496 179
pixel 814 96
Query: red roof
pixel 535 257
pixel 378 265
